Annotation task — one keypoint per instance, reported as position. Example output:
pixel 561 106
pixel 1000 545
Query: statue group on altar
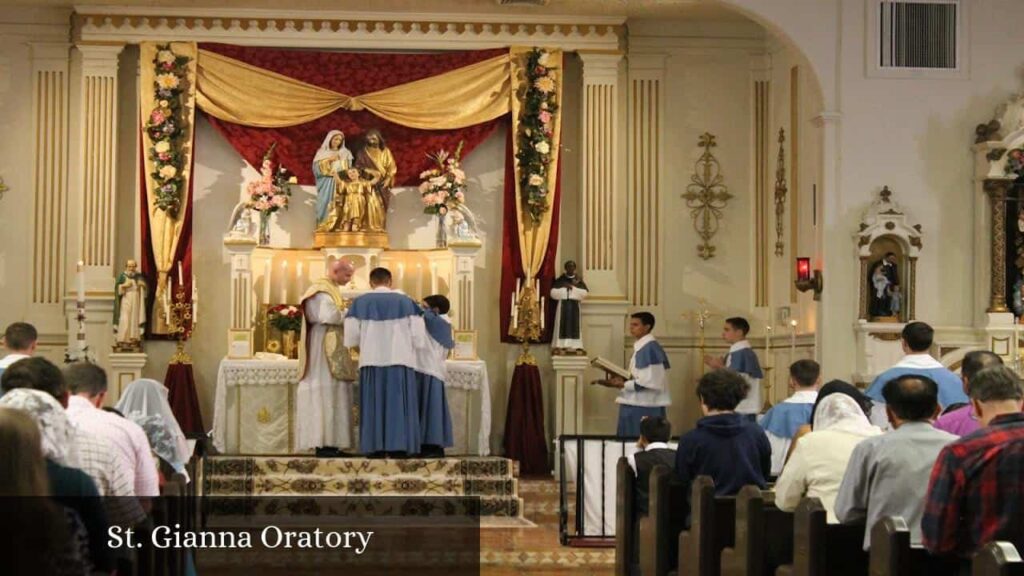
pixel 353 191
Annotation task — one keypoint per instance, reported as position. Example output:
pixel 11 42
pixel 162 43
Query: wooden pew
pixel 712 528
pixel 822 549
pixel 660 528
pixel 892 555
pixel 997 559
pixel 764 536
pixel 627 554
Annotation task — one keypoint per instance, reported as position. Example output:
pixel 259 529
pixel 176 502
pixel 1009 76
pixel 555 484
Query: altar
pixel 254 406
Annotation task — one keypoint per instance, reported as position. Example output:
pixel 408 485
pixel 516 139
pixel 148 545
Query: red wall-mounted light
pixel 806 279
pixel 803 269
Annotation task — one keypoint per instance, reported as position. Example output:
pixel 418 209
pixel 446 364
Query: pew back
pixel 660 528
pixel 997 559
pixel 626 522
pixel 822 549
pixel 764 536
pixel 712 528
pixel 891 554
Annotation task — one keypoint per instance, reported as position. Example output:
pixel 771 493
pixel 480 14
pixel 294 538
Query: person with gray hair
pixel 976 494
pixel 962 421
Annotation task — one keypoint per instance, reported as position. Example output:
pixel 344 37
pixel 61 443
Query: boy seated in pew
pixel 654 450
pixel 725 445
pixel 782 421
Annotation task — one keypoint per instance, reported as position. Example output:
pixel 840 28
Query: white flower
pixel 542 147
pixel 545 59
pixel 167 81
pixel 165 56
pixel 162 147
pixel 168 171
pixel 536 180
pixel 293 180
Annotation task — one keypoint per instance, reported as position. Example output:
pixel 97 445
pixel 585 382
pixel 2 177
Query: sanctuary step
pixel 493 480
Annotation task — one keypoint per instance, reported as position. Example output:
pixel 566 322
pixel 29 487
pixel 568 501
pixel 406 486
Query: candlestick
pixel 284 282
pixel 542 314
pixel 195 302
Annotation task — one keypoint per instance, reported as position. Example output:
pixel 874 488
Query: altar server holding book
pixel 435 418
pixel 387 328
pixel 646 393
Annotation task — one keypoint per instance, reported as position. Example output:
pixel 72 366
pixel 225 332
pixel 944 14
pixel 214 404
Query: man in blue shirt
pixel 917 340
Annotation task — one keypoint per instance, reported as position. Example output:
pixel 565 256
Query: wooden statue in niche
pixel 888 246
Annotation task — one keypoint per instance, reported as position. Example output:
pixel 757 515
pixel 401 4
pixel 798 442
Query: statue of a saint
pixel 376 159
pixel 129 309
pixel 883 277
pixel 331 160
pixel 568 290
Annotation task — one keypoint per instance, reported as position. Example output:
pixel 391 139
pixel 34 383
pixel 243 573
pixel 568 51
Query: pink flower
pixel 157 118
pixel 280 201
pixel 545 116
pixel 460 196
pixel 165 157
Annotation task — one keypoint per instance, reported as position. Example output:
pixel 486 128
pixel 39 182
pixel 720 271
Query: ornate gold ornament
pixel 706 196
pixel 3 188
pixel 263 416
pixel 780 194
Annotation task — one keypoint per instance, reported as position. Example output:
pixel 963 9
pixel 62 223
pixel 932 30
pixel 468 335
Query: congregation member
pixel 837 387
pixel 68 485
pixel 976 493
pixel 782 421
pixel 435 418
pixel 387 328
pixel 323 398
pixel 962 421
pixel 917 339
pixel 39 536
pixel 19 343
pixel 742 359
pixel 888 475
pixel 725 445
pixel 646 393
pixel 819 459
pixel 88 384
pixel 653 450
pixel 145 403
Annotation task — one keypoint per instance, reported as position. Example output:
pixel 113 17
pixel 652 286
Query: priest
pixel 387 328
pixel 568 290
pixel 323 399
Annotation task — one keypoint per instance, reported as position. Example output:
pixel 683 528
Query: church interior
pixel 177 177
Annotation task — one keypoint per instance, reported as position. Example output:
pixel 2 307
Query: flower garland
pixel 285 318
pixel 271 192
pixel 536 125
pixel 443 186
pixel 1015 162
pixel 164 128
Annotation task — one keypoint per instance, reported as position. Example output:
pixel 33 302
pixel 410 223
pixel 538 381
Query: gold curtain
pixel 165 231
pixel 244 94
pixel 533 239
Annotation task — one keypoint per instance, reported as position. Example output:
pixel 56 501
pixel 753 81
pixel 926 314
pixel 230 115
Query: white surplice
pixel 323 404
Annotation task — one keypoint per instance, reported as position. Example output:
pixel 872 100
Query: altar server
pixel 917 339
pixel 741 358
pixel 782 421
pixel 387 328
pixel 646 393
pixel 435 418
pixel 323 400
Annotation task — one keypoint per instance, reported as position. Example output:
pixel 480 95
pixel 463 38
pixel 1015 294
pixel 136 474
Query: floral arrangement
pixel 164 128
pixel 536 126
pixel 1015 162
pixel 273 189
pixel 285 318
pixel 444 185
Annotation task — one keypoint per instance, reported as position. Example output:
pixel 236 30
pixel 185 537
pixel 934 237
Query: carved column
pixel 997 188
pixel 50 72
pixel 243 296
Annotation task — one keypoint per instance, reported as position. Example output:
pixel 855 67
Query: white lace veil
pixel 145 403
pixel 56 429
pixel 841 413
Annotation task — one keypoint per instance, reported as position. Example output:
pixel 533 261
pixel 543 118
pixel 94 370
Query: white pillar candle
pixel 266 280
pixel 401 276
pixel 433 278
pixel 518 285
pixel 792 341
pixel 80 277
pixel 542 314
pixel 181 281
pixel 284 282
pixel 419 280
pixel 195 301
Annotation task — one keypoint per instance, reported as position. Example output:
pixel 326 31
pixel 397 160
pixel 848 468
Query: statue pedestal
pixel 125 368
pixel 1003 336
pixel 569 387
pixel 364 258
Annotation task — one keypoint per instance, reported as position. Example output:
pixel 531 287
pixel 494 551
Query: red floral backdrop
pixel 351 74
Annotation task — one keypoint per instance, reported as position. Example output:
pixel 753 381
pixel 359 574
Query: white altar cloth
pixel 260 418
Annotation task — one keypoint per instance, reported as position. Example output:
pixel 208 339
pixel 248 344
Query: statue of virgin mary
pixel 332 159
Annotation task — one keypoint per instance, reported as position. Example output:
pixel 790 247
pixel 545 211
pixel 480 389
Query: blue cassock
pixel 951 388
pixel 744 361
pixel 784 419
pixel 435 418
pixel 388 328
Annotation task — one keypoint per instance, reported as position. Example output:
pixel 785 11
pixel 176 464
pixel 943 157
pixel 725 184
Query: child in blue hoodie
pixel 729 448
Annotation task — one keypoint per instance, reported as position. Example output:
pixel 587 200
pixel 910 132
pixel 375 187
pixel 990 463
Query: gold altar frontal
pixel 350 240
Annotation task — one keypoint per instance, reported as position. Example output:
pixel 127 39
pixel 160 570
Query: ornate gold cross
pixel 701 316
pixel 706 196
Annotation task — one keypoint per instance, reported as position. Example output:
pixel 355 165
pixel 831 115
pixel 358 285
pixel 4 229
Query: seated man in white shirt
pixel 782 421
pixel 88 384
pixel 19 342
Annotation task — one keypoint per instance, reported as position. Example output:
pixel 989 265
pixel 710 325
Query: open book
pixel 610 367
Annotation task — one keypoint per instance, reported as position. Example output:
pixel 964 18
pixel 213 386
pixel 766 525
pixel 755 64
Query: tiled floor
pixel 537 551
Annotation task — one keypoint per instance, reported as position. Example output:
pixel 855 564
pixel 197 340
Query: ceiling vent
pixel 916 38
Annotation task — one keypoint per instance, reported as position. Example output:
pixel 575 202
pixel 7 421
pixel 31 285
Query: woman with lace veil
pixel 332 159
pixel 145 403
pixel 819 461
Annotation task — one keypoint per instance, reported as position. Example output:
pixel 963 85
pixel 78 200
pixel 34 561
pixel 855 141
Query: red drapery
pixel 352 74
pixel 524 420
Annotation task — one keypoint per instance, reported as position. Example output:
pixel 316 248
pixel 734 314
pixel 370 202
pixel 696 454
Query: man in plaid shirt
pixel 976 494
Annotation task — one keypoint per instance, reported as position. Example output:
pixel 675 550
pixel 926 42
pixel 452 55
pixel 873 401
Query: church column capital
pixel 600 67
pixel 99 59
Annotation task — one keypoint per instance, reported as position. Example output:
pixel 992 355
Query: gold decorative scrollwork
pixel 263 416
pixel 706 196
pixel 780 193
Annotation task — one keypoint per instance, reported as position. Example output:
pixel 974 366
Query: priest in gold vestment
pixel 324 398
